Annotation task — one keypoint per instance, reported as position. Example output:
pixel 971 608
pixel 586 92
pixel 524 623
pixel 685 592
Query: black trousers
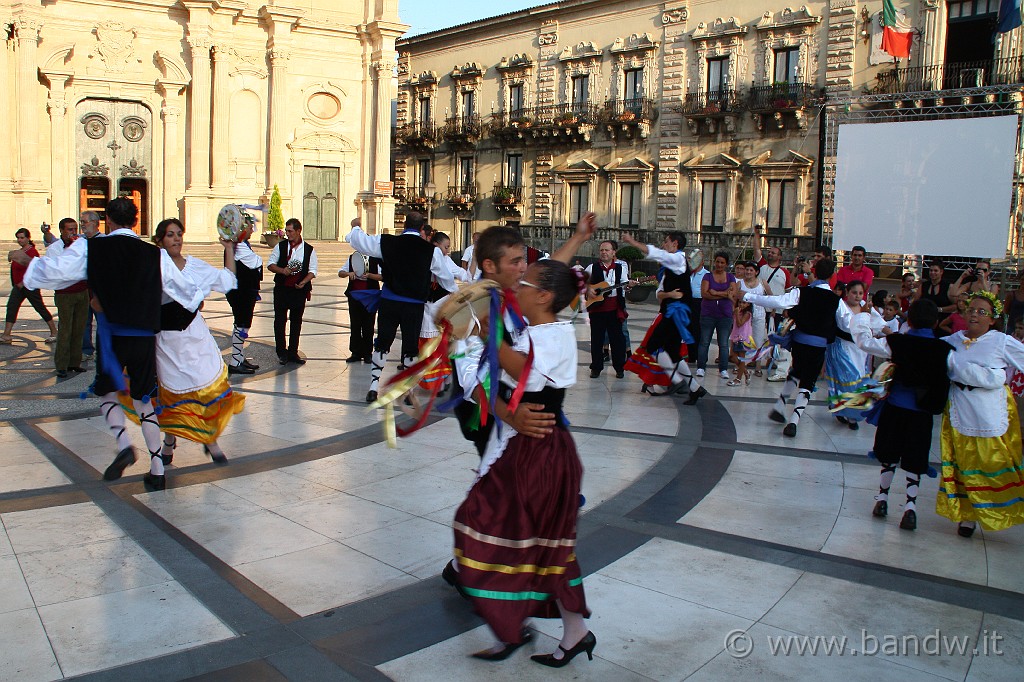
pixel 20 295
pixel 243 303
pixel 903 437
pixel 289 304
pixel 807 364
pixel 694 327
pixel 602 324
pixel 360 341
pixel 666 336
pixel 137 356
pixel 395 314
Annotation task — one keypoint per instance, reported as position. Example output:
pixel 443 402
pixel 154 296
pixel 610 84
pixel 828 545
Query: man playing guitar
pixel 607 309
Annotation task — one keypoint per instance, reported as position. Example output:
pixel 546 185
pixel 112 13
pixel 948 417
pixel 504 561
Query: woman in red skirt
pixel 515 535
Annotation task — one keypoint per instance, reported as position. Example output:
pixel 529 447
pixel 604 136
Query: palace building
pixel 707 117
pixel 187 105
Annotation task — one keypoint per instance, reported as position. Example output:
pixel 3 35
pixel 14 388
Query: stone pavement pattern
pixel 315 553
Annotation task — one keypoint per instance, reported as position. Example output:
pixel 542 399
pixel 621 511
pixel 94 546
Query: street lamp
pixel 429 190
pixel 556 192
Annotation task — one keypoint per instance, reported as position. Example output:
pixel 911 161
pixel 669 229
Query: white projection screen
pixel 926 187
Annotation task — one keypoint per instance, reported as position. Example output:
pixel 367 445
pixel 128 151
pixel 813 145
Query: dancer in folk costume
pixel 443 372
pixel 195 400
pixel 242 299
pixel 660 361
pixel 515 535
pixel 846 365
pixel 982 475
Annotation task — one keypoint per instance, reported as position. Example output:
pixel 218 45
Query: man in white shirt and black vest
pixel 607 314
pixel 408 263
pixel 294 265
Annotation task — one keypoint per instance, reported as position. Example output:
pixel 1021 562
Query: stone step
pixel 330 255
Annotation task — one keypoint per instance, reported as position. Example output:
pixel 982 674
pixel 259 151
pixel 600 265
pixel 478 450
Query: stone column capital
pixel 221 53
pixel 200 46
pixel 383 68
pixel 279 56
pixel 27 27
pixel 56 107
pixel 169 112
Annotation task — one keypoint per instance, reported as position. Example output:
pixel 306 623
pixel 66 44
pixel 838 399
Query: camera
pixel 45 227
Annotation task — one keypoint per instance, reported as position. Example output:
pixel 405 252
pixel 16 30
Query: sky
pixel 430 15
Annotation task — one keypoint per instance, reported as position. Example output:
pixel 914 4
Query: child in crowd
pixel 742 342
pixel 957 322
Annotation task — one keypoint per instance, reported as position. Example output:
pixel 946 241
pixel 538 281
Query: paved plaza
pixel 712 547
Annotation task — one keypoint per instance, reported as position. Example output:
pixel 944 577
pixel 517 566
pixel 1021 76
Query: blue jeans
pixel 723 327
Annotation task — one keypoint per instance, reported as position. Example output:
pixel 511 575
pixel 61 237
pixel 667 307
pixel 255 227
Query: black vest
pixel 175 317
pixel 815 314
pixel 124 275
pixel 248 278
pixel 282 262
pixel 407 261
pixel 921 366
pixel 673 282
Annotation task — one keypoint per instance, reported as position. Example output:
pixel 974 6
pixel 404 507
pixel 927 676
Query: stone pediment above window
pixel 580 171
pixel 517 62
pixel 715 163
pixel 583 50
pixel 425 79
pixel 787 18
pixel 469 71
pixel 634 43
pixel 789 165
pixel 635 167
pixel 719 28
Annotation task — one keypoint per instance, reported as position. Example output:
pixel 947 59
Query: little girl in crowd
pixel 957 322
pixel 742 342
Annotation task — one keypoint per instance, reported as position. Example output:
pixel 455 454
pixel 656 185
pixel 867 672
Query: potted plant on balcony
pixel 782 95
pixel 503 196
pixel 566 119
pixel 521 122
pixel 627 116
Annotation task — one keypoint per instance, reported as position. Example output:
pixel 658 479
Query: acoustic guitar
pixel 602 289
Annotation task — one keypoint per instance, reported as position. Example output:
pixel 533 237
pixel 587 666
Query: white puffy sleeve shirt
pixel 981 411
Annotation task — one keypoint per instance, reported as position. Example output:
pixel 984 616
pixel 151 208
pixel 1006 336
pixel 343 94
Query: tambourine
pixel 360 264
pixel 695 259
pixel 464 308
pixel 883 376
pixel 232 221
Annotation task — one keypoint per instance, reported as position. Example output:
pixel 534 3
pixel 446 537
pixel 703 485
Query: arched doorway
pixel 114 155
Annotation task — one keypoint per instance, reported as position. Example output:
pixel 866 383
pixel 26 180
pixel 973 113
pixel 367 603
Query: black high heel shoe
pixel 506 651
pixel 219 458
pixel 587 644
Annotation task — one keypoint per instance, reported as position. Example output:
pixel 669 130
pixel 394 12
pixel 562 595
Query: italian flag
pixel 897 33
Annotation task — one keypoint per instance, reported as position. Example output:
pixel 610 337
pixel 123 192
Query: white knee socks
pixel 112 413
pixel 884 481
pixel 151 434
pixel 803 397
pixel 238 338
pixel 788 389
pixel 913 480
pixel 377 366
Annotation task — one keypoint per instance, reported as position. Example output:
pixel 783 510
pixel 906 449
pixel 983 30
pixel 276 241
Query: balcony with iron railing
pixel 416 197
pixel 417 134
pixel 773 102
pixel 507 200
pixel 460 198
pixel 547 124
pixel 952 76
pixel 710 107
pixel 632 116
pixel 462 129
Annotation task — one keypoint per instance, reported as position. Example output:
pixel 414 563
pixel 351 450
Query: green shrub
pixel 629 254
pixel 275 219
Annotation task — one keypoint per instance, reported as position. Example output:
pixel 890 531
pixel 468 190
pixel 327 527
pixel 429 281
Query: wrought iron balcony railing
pixel 461 197
pixel 507 199
pixel 416 195
pixel 712 102
pixel 1004 71
pixel 417 133
pixel 782 97
pixel 632 110
pixel 462 129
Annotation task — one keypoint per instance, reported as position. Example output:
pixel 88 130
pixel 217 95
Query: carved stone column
pixel 56 106
pixel 172 160
pixel 276 166
pixel 382 73
pixel 221 95
pixel 199 147
pixel 27 33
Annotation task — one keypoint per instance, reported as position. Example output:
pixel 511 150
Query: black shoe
pixel 124 459
pixel 240 369
pixel 695 396
pixel 909 521
pixel 167 459
pixel 777 416
pixel 296 358
pixel 218 458
pixel 842 420
pixel 76 370
pixel 282 359
pixel 881 509
pixel 252 366
pixel 153 483
pixel 965 531
pixel 853 426
pixel 366 361
pixel 620 374
pixel 371 396
pixel 451 576
pixel 62 374
pixel 586 644
pixel 502 654
pixel 790 430
pixel 595 373
pixel 354 358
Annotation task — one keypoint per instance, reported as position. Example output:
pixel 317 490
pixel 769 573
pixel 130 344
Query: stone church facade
pixel 184 106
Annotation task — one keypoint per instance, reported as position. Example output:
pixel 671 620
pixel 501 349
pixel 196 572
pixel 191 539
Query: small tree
pixel 275 219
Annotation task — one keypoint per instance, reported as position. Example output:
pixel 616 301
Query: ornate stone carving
pixel 582 50
pixel 634 43
pixel 385 68
pixel 521 62
pixel 95 169
pixel 201 45
pixel 94 125
pixel 133 170
pixel 548 33
pixel 116 45
pixel 56 107
pixel 279 56
pixel 675 16
pixel 719 27
pixel 470 70
pixel 133 128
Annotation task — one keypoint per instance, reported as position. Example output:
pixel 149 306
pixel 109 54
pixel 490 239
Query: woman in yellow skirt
pixel 195 400
pixel 982 477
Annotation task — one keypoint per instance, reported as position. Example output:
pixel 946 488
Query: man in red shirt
pixel 607 316
pixel 856 271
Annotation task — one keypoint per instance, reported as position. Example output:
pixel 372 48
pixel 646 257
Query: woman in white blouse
pixel 982 478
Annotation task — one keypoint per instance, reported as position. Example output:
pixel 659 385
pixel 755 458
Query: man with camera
pixel 975 279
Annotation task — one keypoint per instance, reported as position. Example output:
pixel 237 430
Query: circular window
pixel 324 105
